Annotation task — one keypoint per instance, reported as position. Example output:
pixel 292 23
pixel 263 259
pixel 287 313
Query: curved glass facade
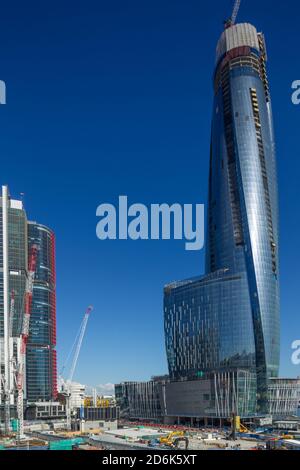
pixel 41 380
pixel 230 317
pixel 208 326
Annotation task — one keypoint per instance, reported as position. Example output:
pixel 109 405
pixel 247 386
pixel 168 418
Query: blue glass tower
pixel 41 368
pixel 229 319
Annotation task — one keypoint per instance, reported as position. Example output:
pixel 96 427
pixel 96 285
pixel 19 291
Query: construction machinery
pixel 20 372
pixel 3 386
pixel 183 439
pixel 237 426
pixel 6 401
pixel 79 343
pixel 231 21
pixel 173 439
pixel 76 348
pixel 243 429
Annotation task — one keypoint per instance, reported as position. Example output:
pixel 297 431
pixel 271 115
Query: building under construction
pixel 41 373
pixel 27 283
pixel 222 329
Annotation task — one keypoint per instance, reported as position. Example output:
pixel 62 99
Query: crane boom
pixel 67 386
pixel 78 346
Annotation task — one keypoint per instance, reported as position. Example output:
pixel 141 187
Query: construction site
pixel 77 420
pixel 235 436
pixel 195 407
pixel 137 436
pixel 45 425
pixel 31 399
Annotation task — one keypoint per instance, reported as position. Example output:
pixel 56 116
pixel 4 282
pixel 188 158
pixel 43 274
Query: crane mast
pixel 231 21
pixel 6 394
pixel 235 11
pixel 32 262
pixel 77 344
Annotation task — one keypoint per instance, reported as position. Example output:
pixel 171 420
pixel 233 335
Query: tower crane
pixel 76 348
pixel 24 338
pixel 79 343
pixel 231 21
pixel 3 388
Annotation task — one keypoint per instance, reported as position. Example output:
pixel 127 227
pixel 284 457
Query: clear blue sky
pixel 110 98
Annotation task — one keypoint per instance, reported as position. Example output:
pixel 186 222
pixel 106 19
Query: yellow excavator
pixel 173 439
pixel 243 428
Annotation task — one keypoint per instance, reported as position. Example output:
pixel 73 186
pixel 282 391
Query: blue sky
pixel 111 98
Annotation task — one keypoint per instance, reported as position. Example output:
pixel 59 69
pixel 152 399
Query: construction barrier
pixel 65 444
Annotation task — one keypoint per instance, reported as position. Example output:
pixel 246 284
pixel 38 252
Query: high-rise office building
pixel 13 269
pixel 222 329
pixel 41 369
pixel 16 239
pixel 228 320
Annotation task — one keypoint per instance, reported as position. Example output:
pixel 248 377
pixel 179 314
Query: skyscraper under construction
pixel 17 236
pixel 41 378
pixel 227 322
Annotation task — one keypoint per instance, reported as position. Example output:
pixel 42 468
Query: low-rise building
pixel 284 396
pixel 45 410
pixel 211 397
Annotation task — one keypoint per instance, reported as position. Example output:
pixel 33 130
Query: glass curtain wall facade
pixel 139 400
pixel 229 319
pixel 41 368
pixel 208 326
pixel 13 246
pixel 17 255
